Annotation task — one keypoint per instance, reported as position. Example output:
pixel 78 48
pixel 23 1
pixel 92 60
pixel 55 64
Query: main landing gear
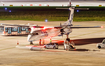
pixel 31 43
pixel 68 45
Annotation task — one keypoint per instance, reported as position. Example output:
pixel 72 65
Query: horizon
pixel 45 0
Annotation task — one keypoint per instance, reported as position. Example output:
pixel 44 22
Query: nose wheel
pixel 31 43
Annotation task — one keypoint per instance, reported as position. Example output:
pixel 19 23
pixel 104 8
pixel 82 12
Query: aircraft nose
pixel 29 38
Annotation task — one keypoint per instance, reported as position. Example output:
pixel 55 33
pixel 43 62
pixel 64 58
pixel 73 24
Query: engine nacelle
pixel 62 30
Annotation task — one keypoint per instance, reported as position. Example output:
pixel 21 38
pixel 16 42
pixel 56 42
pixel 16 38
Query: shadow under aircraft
pixel 82 41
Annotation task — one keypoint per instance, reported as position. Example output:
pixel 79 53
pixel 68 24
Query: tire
pixel 57 48
pixel 46 48
pixel 99 47
pixel 54 47
pixel 67 39
pixel 31 43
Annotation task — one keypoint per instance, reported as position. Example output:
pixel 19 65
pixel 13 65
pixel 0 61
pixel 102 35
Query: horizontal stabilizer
pixel 88 27
pixel 75 8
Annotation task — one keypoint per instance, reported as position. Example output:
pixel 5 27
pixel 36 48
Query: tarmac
pixel 87 54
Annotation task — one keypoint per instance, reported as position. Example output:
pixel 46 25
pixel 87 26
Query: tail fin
pixel 70 18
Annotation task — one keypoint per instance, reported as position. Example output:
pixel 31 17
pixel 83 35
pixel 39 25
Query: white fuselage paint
pixel 47 33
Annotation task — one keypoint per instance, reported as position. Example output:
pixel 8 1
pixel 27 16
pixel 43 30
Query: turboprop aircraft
pixel 63 29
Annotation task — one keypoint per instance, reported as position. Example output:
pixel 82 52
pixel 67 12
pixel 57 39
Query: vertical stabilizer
pixel 70 18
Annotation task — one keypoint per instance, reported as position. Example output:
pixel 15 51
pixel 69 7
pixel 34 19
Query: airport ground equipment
pixel 51 46
pixel 101 45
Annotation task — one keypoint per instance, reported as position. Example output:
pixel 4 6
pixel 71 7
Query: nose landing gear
pixel 31 43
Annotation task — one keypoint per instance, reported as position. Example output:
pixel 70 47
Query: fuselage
pixel 46 33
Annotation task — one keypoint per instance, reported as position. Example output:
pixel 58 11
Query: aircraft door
pixel 9 30
pixel 19 29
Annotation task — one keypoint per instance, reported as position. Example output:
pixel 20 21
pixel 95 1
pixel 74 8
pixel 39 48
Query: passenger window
pixel 9 30
pixel 27 30
pixel 23 28
pixel 36 33
pixel 1 29
pixel 6 29
pixel 19 29
pixel 14 29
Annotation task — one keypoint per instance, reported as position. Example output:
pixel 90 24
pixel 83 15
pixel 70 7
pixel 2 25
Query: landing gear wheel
pixel 68 39
pixel 56 45
pixel 31 43
pixel 99 47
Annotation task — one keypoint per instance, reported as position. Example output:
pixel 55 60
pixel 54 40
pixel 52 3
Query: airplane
pixel 62 29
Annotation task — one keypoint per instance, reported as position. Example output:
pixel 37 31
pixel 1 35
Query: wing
pixel 87 27
pixel 80 27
